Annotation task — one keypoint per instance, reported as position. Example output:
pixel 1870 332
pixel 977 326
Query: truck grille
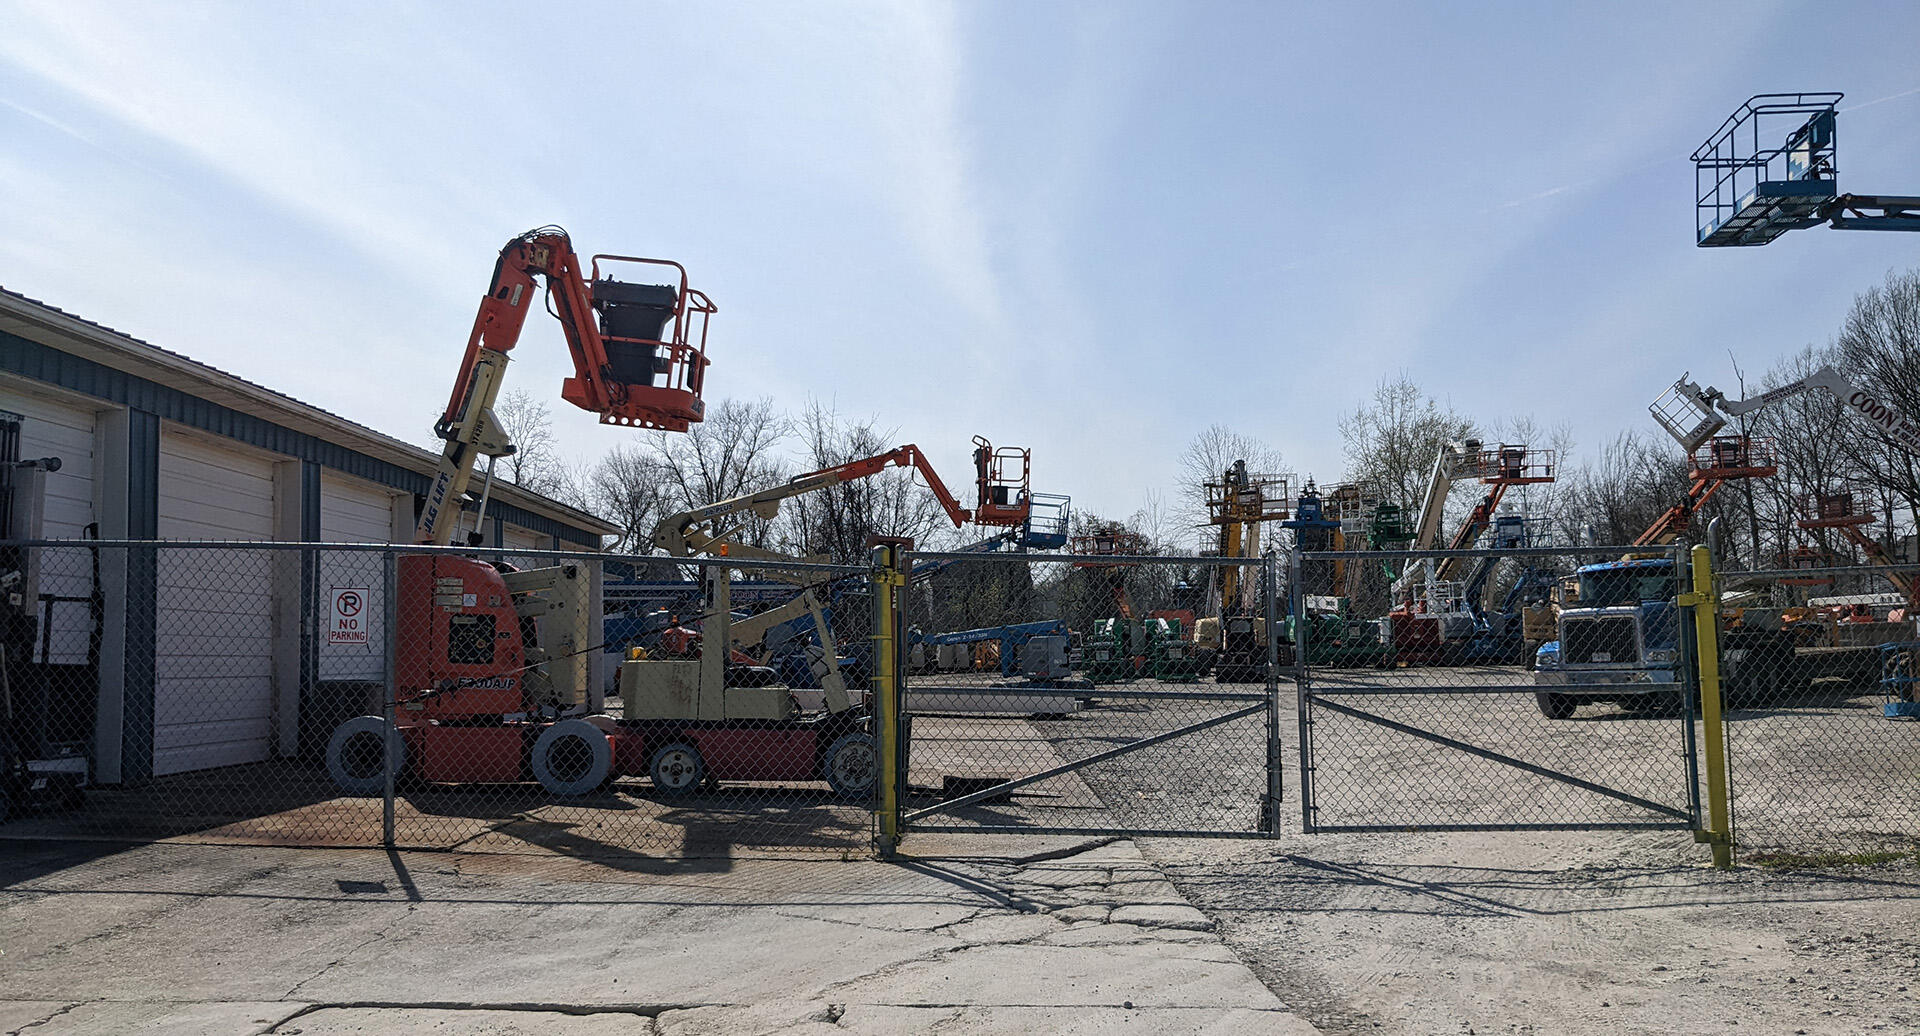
pixel 1602 641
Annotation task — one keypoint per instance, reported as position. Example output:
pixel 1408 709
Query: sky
pixel 1090 229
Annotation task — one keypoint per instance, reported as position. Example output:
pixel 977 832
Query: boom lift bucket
pixel 1687 412
pixel 655 339
pixel 1002 476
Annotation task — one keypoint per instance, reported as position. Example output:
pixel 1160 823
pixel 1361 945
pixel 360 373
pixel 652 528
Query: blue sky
pixel 1092 229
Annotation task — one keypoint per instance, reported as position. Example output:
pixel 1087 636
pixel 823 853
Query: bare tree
pixel 628 487
pixel 1613 499
pixel 534 463
pixel 1392 439
pixel 1880 346
pixel 1205 460
pixel 836 522
pixel 729 454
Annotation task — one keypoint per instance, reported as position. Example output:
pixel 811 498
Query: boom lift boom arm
pixel 616 369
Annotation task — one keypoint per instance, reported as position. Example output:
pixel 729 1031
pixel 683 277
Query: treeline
pixel 1607 496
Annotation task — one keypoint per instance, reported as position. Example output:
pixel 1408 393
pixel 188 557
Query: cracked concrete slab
pixel 151 1018
pixel 440 1021
pixel 887 1020
pixel 238 939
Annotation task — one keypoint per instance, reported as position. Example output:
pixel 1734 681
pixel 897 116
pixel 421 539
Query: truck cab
pixel 1621 641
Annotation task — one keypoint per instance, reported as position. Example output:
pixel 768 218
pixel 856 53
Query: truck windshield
pixel 1625 586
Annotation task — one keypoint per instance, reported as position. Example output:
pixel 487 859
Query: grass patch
pixel 1784 861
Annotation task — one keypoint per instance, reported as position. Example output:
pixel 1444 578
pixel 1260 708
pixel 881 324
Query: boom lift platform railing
pixel 1772 166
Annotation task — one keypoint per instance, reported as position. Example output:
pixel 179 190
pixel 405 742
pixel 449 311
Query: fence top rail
pixel 415 548
pixel 1081 559
pixel 1749 575
pixel 1481 552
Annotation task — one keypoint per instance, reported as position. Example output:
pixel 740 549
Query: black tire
pixel 1556 706
pixel 572 758
pixel 677 769
pixel 354 756
pixel 851 765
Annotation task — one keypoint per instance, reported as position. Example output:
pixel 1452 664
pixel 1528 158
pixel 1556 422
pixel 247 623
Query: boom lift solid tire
pixel 572 758
pixel 676 768
pixel 354 755
pixel 851 765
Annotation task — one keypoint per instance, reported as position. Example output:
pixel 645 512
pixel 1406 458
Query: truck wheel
pixel 676 769
pixel 572 758
pixel 1556 706
pixel 851 766
pixel 355 758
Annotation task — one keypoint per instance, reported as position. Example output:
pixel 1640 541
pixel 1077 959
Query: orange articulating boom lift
pixel 490 675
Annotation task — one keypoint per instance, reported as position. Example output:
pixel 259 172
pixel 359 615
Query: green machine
pixel 1170 656
pixel 1104 656
pixel 1335 638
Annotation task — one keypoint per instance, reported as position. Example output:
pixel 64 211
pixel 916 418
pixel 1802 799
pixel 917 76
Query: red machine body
pixel 460 649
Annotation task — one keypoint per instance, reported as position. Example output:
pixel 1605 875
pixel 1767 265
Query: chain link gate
pixel 1820 668
pixel 1063 694
pixel 1422 705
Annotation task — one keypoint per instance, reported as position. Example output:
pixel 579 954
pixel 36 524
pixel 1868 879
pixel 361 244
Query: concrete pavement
pixel 175 938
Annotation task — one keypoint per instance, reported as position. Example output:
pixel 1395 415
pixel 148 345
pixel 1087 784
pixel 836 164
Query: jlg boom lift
pixel 490 676
pixel 710 717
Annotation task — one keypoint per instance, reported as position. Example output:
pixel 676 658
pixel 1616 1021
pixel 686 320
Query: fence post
pixel 391 609
pixel 1705 603
pixel 1296 610
pixel 1270 593
pixel 887 577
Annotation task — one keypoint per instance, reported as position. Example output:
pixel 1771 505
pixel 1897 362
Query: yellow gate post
pixel 1706 624
pixel 888 578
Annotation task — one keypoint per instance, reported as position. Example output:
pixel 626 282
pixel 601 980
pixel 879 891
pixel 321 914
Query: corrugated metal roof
pixel 241 390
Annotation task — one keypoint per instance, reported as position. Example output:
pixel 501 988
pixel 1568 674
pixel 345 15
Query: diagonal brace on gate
pixel 1020 782
pixel 1507 760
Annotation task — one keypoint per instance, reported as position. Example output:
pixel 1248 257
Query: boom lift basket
pixel 1046 527
pixel 1107 544
pixel 1260 498
pixel 1687 412
pixel 1002 476
pixel 1768 169
pixel 1832 510
pixel 1734 456
pixel 655 337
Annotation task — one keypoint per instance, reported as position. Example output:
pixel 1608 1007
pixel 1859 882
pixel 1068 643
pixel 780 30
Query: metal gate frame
pixel 1264 702
pixel 1308 699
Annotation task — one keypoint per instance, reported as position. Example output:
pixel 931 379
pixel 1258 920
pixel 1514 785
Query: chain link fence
pixel 1528 688
pixel 437 698
pixel 1821 673
pixel 1090 693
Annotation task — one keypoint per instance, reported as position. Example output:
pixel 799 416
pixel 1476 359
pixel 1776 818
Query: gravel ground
pixel 1613 931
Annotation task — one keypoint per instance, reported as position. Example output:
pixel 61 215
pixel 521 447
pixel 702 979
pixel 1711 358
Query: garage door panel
pixel 354 512
pixel 213 698
pixel 52 429
pixel 214 646
pixel 200 746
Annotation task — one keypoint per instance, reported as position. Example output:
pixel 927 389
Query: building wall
pixel 207 660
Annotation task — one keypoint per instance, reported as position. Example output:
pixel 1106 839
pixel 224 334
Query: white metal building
pixel 154 445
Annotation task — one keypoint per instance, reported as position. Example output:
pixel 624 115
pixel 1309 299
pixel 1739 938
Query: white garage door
pixel 352 511
pixel 50 428
pixel 213 665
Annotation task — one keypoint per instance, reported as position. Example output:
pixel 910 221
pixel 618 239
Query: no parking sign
pixel 347 615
